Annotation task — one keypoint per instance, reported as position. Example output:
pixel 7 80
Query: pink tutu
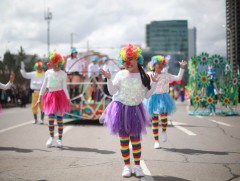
pixel 56 103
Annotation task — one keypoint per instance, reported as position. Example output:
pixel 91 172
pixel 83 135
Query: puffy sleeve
pixel 64 83
pixel 26 75
pixel 113 85
pixel 5 86
pixel 177 77
pixel 44 85
pixel 151 91
pixel 67 65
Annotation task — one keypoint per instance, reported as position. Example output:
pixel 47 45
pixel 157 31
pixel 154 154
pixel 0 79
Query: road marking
pixel 148 175
pixel 65 130
pixel 17 126
pixel 199 116
pixel 179 123
pixel 219 122
pixel 176 124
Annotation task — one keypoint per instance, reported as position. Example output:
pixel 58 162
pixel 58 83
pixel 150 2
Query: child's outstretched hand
pixel 12 77
pixel 38 102
pixel 72 106
pixel 154 77
pixel 106 74
pixel 183 64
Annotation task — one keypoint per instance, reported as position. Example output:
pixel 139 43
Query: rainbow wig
pixel 56 59
pixel 130 51
pixel 156 59
pixel 38 65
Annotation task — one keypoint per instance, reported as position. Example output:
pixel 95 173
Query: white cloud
pixel 106 23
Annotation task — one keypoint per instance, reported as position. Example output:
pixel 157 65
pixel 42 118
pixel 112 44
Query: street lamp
pixel 48 17
pixel 71 39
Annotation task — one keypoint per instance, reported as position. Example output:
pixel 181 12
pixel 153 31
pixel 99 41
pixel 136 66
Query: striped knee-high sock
pixel 164 121
pixel 137 149
pixel 51 118
pixel 155 127
pixel 124 146
pixel 60 127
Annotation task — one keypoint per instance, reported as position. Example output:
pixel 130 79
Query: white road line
pixel 219 122
pixel 176 124
pixel 148 175
pixel 17 126
pixel 199 116
pixel 65 130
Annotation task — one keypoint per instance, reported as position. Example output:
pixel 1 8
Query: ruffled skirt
pixel 125 120
pixel 56 103
pixel 160 103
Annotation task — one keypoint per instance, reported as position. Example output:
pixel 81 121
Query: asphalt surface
pixel 198 148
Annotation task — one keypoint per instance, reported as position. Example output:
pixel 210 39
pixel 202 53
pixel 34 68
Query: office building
pixel 192 39
pixel 233 33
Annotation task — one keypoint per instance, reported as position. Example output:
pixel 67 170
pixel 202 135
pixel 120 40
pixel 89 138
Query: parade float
pixel 92 99
pixel 212 86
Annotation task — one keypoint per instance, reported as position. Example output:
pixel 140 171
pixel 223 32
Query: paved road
pixel 198 148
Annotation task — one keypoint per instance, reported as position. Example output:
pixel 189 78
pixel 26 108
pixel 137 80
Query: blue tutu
pixel 160 104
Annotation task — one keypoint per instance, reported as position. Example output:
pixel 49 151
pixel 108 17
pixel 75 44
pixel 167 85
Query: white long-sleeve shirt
pixel 5 86
pixel 55 81
pixel 36 82
pixel 73 65
pixel 128 89
pixel 164 79
pixel 93 69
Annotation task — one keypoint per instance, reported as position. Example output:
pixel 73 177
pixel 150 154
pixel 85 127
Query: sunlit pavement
pixel 198 148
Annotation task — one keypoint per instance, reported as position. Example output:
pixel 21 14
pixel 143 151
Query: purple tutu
pixel 56 102
pixel 125 120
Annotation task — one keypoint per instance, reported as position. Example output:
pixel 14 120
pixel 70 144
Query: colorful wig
pixel 156 59
pixel 130 51
pixel 56 59
pixel 38 65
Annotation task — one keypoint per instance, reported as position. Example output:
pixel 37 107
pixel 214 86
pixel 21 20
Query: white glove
pixel 22 65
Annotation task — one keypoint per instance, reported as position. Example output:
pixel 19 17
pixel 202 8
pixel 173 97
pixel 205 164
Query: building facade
pixel 168 37
pixel 192 39
pixel 233 33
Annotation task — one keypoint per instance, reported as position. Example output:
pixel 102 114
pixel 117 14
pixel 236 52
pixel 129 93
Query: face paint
pixel 127 63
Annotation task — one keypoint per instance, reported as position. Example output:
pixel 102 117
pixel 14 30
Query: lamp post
pixel 48 17
pixel 71 39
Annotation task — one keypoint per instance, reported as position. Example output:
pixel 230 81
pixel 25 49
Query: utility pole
pixel 48 17
pixel 71 40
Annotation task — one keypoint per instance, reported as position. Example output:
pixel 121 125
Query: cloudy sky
pixel 105 23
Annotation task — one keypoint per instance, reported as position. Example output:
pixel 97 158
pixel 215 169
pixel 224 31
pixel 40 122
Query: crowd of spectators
pixel 18 95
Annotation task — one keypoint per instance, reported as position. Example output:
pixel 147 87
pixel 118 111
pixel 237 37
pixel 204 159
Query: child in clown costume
pixel 125 115
pixel 36 77
pixel 160 103
pixel 56 100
